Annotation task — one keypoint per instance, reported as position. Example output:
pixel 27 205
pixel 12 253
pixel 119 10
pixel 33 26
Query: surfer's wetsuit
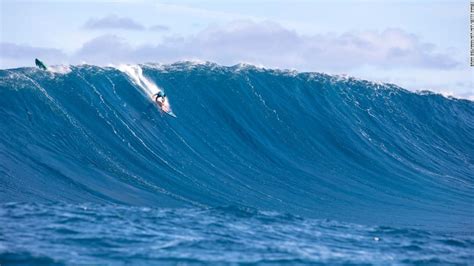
pixel 159 95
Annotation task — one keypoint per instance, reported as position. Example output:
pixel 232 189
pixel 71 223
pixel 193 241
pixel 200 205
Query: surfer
pixel 160 98
pixel 40 64
pixel 162 101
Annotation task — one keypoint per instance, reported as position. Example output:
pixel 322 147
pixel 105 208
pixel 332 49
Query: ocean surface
pixel 258 166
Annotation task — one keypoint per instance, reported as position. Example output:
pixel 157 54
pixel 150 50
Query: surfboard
pixel 171 114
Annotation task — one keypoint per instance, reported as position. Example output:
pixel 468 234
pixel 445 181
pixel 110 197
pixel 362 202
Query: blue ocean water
pixel 259 166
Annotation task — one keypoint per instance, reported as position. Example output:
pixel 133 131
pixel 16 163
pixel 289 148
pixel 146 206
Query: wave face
pixel 308 144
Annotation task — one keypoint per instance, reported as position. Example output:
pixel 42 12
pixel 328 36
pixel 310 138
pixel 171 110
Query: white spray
pixel 135 73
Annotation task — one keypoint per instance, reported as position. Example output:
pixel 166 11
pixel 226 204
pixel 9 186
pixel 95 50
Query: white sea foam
pixel 59 69
pixel 135 73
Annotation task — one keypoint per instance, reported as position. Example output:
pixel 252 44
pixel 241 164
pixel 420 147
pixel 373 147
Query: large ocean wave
pixel 304 143
pixel 307 144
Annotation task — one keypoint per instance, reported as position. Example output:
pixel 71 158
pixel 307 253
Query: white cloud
pixel 103 50
pixel 14 55
pixel 113 22
pixel 391 55
pixel 270 44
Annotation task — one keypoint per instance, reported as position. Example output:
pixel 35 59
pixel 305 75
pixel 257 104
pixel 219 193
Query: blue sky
pixel 415 44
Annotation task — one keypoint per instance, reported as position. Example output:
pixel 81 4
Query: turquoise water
pixel 259 166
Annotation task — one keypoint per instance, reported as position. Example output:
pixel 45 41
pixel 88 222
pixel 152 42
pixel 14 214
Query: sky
pixel 418 45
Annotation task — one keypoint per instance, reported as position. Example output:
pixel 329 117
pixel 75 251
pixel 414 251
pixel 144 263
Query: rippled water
pixel 111 234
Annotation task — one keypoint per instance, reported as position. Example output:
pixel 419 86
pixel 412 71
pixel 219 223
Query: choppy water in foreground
pixel 110 234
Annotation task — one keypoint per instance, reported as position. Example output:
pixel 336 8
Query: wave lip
pixel 308 144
